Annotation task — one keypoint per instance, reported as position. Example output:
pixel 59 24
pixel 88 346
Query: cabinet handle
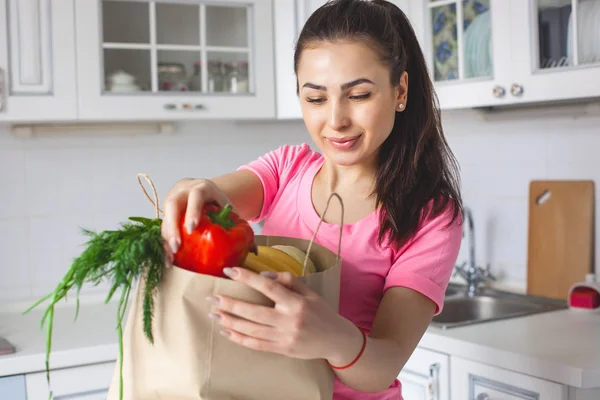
pixel 434 381
pixel 499 91
pixel 483 396
pixel 516 90
pixel 3 90
pixel 171 106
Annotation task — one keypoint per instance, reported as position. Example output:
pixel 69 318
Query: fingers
pixel 249 328
pixel 196 199
pixel 187 196
pixel 290 281
pixel 253 312
pixel 269 287
pixel 173 208
pixel 251 342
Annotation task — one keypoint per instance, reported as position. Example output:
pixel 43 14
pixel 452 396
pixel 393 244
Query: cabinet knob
pixel 499 91
pixel 516 90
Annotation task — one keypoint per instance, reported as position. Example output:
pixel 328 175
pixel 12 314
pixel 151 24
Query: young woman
pixel 368 105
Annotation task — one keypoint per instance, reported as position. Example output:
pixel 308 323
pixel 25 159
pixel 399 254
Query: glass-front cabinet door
pixel 556 46
pixel 175 59
pixel 467 49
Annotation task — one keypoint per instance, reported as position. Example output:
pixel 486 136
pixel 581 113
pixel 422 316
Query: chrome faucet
pixel 469 270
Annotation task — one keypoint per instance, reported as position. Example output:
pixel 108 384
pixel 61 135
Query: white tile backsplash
pixel 14 269
pixel 51 187
pixel 12 178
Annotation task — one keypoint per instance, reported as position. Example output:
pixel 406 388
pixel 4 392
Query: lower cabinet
pixel 475 381
pixel 426 376
pixel 88 382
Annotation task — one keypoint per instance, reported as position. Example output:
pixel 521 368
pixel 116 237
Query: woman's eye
pixel 316 100
pixel 361 96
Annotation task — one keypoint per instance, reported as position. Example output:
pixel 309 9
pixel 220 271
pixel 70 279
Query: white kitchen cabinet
pixel 290 16
pixel 171 60
pixel 37 60
pixel 552 59
pixel 88 382
pixel 476 381
pixel 467 49
pixel 483 53
pixel 426 376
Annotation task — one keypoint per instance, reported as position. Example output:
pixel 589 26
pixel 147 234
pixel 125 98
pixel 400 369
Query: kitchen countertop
pixel 561 346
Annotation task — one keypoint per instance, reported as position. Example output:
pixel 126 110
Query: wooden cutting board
pixel 560 236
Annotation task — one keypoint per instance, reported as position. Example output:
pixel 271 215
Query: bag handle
pixel 339 249
pixel 155 201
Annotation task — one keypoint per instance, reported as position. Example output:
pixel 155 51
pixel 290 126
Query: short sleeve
pixel 426 263
pixel 274 169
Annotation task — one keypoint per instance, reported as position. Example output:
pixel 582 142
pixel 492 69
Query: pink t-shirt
pixel 424 264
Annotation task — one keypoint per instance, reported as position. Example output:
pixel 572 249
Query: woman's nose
pixel 338 117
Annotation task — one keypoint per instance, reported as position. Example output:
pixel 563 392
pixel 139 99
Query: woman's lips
pixel 344 143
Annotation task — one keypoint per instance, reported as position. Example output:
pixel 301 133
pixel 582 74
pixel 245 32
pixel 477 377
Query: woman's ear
pixel 402 92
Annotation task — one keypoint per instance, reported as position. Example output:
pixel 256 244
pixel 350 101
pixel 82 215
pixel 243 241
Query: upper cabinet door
pixel 556 47
pixel 175 59
pixel 37 61
pixel 467 49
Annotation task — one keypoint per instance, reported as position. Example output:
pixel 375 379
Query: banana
pixel 299 255
pixel 273 259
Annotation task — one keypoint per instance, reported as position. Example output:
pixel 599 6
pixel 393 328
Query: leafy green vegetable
pixel 135 251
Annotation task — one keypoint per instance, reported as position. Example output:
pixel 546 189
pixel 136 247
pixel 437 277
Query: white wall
pixel 51 187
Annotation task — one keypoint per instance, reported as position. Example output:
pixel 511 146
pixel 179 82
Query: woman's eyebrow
pixel 344 86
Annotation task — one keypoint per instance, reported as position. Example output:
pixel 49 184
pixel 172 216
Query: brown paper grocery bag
pixel 190 360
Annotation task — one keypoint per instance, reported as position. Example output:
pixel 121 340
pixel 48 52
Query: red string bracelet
pixel 362 350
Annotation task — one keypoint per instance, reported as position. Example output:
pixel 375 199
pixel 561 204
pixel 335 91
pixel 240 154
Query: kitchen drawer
pixel 476 381
pixel 89 382
pixel 13 387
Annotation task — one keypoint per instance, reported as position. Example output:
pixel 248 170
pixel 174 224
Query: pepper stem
pixel 222 217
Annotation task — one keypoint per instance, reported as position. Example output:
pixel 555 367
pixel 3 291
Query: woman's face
pixel 347 102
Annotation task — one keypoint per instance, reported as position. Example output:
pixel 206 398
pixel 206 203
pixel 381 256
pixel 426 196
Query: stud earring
pixel 401 106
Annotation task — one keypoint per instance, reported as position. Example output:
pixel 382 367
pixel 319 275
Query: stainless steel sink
pixel 489 305
pixel 475 303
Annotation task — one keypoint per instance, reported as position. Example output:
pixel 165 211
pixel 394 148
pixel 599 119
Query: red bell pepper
pixel 221 239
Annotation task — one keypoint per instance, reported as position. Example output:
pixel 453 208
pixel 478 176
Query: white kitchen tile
pixel 500 179
pixel 48 260
pixel 500 148
pixel 12 178
pixel 578 143
pixel 42 181
pixel 576 171
pixel 75 176
pixel 14 265
pixel 15 293
pixel 9 142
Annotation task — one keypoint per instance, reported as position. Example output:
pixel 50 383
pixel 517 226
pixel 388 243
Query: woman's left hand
pixel 300 325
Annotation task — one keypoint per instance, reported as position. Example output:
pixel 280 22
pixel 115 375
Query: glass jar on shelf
pixel 195 82
pixel 237 77
pixel 215 76
pixel 171 77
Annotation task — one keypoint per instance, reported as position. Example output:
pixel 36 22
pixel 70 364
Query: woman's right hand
pixel 188 197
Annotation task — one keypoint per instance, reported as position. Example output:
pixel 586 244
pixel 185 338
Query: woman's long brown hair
pixel 417 174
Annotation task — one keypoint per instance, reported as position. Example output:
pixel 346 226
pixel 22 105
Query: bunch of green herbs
pixel 122 256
